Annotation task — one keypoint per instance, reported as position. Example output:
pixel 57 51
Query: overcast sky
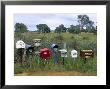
pixel 52 20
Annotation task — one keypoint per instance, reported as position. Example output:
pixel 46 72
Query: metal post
pixel 63 60
pixel 55 58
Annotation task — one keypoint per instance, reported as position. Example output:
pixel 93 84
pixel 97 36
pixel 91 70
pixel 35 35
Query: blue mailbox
pixel 54 48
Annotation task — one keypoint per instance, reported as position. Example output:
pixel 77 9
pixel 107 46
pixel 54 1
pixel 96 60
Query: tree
pixel 77 29
pixel 71 29
pixel 84 21
pixel 43 28
pixel 90 26
pixel 60 29
pixel 74 29
pixel 20 27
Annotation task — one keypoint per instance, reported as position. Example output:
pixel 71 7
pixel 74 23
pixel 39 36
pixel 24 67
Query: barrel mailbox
pixel 86 53
pixel 20 44
pixel 44 53
pixel 37 42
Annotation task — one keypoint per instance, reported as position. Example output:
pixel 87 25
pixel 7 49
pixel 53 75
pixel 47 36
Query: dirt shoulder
pixel 54 73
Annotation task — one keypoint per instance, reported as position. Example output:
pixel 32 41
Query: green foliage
pixel 70 65
pixel 74 29
pixel 85 38
pixel 18 68
pixel 58 38
pixel 60 29
pixel 43 28
pixel 73 41
pixel 20 27
pixel 84 21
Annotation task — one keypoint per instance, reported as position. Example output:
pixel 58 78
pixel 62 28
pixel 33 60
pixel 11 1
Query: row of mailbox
pixel 45 52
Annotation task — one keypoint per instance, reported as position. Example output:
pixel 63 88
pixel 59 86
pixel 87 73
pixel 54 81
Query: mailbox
pixel 44 53
pixel 74 54
pixel 20 44
pixel 54 48
pixel 29 49
pixel 37 42
pixel 63 52
pixel 86 53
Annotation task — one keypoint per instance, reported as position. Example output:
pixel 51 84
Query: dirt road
pixel 54 73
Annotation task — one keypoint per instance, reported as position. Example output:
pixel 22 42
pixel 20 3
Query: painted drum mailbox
pixel 54 48
pixel 74 54
pixel 20 44
pixel 37 42
pixel 44 53
pixel 86 53
pixel 63 54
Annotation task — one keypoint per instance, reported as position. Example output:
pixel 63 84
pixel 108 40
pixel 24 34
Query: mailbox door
pixel 74 54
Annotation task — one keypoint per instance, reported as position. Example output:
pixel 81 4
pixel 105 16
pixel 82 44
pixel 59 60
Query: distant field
pixel 72 41
pixel 67 36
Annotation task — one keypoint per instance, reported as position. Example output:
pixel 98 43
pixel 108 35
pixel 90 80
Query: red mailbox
pixel 44 53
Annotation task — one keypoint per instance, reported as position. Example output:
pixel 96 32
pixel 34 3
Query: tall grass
pixel 73 41
pixel 35 64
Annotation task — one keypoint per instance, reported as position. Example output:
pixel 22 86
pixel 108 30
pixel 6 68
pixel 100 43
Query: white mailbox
pixel 63 52
pixel 20 44
pixel 37 42
pixel 74 54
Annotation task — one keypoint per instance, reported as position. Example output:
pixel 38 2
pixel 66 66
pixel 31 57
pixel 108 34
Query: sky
pixel 52 20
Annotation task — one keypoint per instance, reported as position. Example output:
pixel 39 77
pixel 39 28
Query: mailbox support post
pixel 21 53
pixel 85 60
pixel 55 58
pixel 63 60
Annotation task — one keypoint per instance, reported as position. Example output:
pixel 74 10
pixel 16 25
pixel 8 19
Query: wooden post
pixel 85 60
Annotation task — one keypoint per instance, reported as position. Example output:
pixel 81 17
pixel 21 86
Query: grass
pixel 70 65
pixel 74 41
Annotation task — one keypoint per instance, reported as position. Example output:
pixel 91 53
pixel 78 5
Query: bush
pixel 85 38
